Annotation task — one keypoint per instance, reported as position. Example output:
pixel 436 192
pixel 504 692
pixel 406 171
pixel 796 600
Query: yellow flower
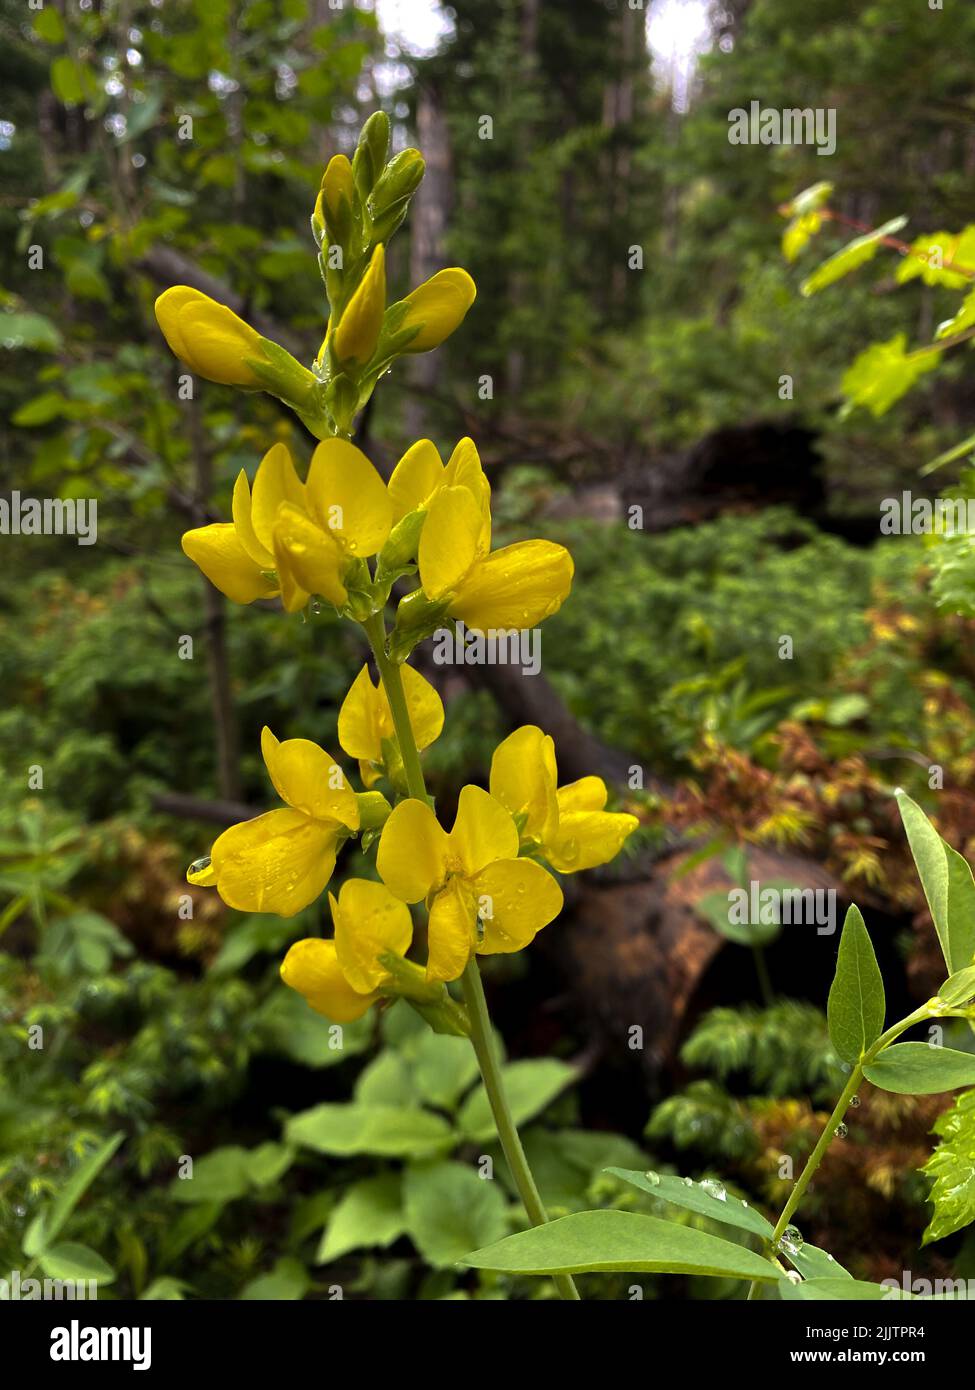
pixel 346 517
pixel 481 896
pixel 515 587
pixel 567 825
pixel 362 319
pixel 218 345
pixel 366 721
pixel 237 557
pixel 420 475
pixel 437 307
pixel 343 978
pixel 281 861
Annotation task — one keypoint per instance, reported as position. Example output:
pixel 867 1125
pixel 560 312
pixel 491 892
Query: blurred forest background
pixel 616 381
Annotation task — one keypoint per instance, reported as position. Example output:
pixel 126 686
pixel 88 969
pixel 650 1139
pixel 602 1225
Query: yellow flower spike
pixel 567 826
pixel 312 968
pixel 512 588
pixel 210 338
pixel 366 719
pixel 358 329
pixel 481 896
pixel 437 307
pixel 369 923
pixel 281 861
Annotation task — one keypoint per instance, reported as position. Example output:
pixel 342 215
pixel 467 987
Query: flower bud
pixel 355 338
pixel 370 155
pixel 436 308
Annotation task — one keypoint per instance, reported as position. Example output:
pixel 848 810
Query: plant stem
pixel 764 981
pixel 507 1130
pixel 813 1161
pixel 829 1132
pixel 391 677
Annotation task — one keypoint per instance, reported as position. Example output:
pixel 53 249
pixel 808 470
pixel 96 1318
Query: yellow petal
pixel 359 720
pixel 588 794
pixel 412 854
pixel 309 779
pixel 464 470
pixel 515 587
pixel 217 551
pixel 241 511
pixel 365 718
pixel 210 338
pixel 415 478
pixel 483 831
pixel 369 922
pixel 587 838
pixel 450 931
pixel 362 319
pixel 348 498
pixel 168 307
pixel 274 483
pixel 437 307
pixel 523 779
pixel 516 898
pixel 308 559
pixel 311 967
pixel 424 705
pixel 449 541
pixel 279 862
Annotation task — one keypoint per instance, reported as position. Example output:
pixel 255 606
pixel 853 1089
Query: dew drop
pixel 652 1178
pixel 841 1131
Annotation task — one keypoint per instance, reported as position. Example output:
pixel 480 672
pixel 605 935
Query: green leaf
pixel 952 1166
pixel 450 1209
pixel 443 1069
pixel 693 1196
pixel 388 1130
pixel 69 1260
pixel 854 254
pixel 287 1281
pixel 32 331
pixel 369 1214
pixel 621 1241
pixel 296 1031
pixel 959 988
pixel 387 1080
pixel 165 1289
pixel 531 1085
pixel 219 1176
pixel 883 372
pixel 947 882
pixel 917 1069
pixel 51 1222
pixel 847 1290
pixel 268 1162
pixel 856 1005
pixel 68 80
pixel 813 1263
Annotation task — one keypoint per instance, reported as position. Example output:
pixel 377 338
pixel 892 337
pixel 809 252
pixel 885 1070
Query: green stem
pixel 764 980
pixel 511 1143
pixel 832 1124
pixel 392 679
